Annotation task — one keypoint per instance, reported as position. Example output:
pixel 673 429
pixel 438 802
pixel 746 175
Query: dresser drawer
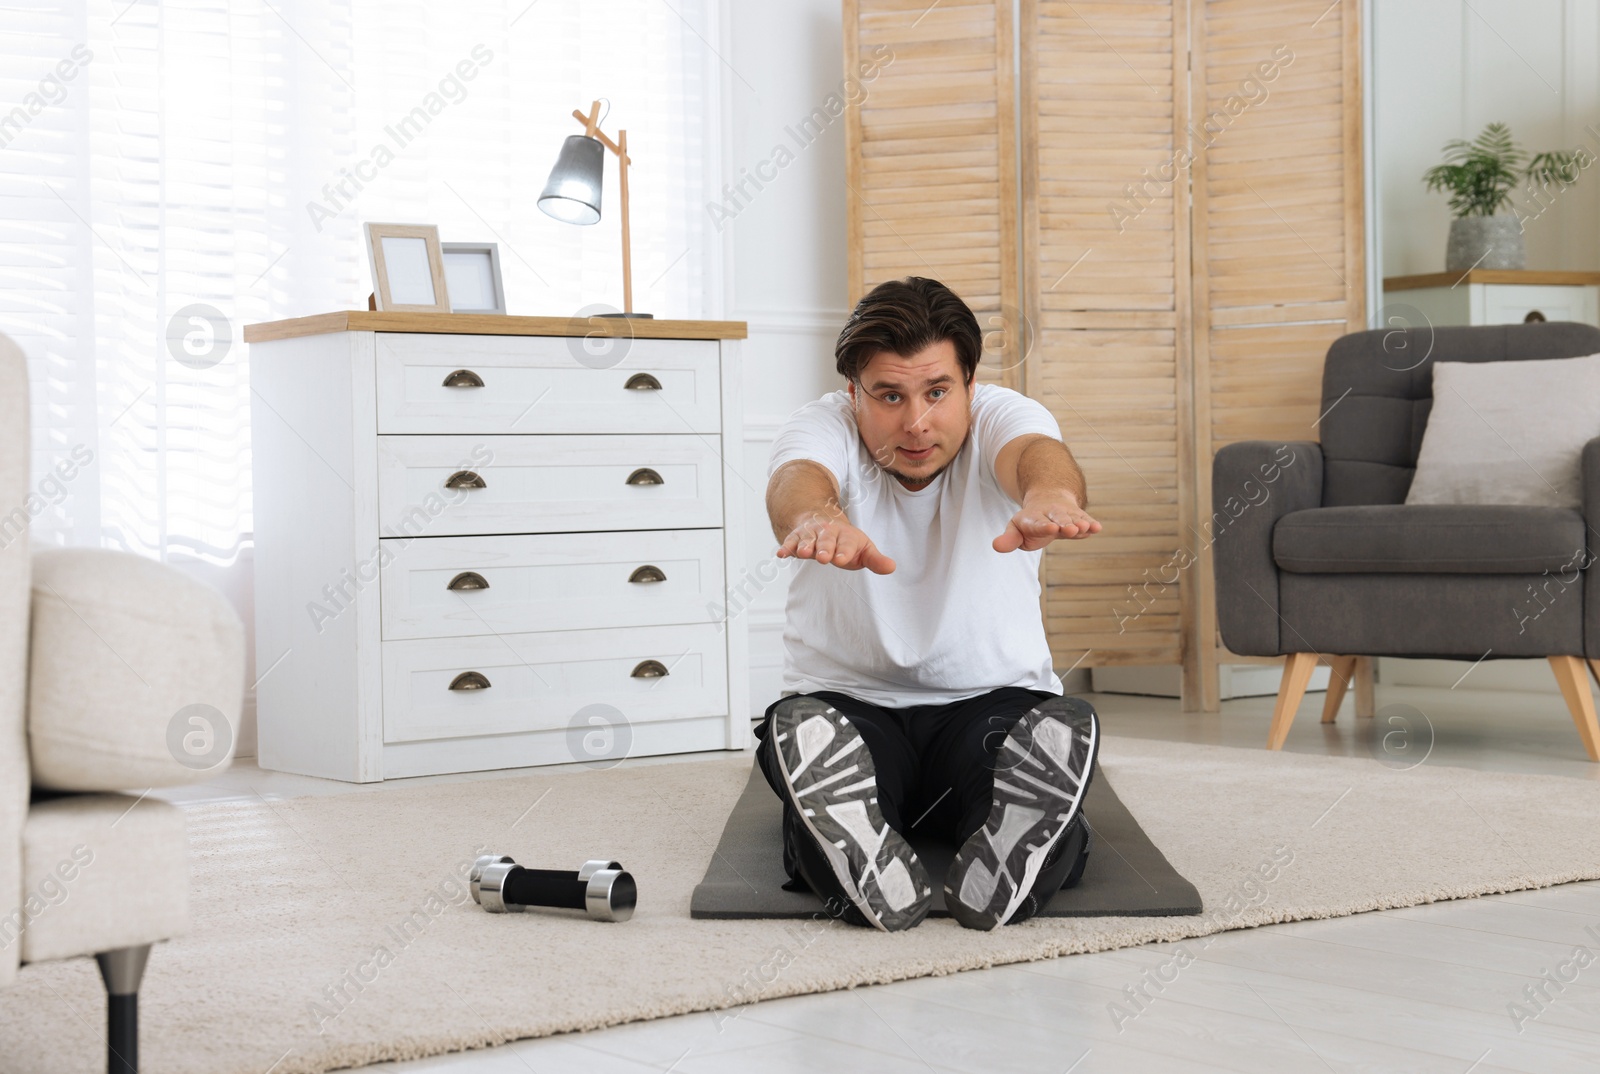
pixel 547 484
pixel 545 384
pixel 539 682
pixel 1511 303
pixel 462 586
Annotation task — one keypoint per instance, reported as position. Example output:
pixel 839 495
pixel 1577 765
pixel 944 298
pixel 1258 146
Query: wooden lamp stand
pixel 591 127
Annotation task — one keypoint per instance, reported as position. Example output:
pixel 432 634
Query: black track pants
pixel 935 763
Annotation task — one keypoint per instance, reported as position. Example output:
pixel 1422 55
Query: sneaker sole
pixel 833 788
pixel 1042 773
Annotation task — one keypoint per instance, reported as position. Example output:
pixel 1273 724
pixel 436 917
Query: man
pixel 919 692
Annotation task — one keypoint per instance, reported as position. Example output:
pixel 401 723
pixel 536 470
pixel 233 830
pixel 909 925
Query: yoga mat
pixel 1126 875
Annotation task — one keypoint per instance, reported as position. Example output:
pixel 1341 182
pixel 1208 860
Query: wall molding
pixel 763 429
pixel 795 322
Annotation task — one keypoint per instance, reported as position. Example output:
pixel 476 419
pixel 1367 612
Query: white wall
pixel 784 261
pixel 1446 68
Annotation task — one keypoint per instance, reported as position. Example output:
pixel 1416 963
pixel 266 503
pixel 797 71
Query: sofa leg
pixel 1575 688
pixel 1366 676
pixel 1341 671
pixel 121 971
pixel 1297 669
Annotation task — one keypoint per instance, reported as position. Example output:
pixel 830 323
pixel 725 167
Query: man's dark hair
pixel 903 317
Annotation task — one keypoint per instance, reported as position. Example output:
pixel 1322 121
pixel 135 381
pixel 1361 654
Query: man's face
pixel 913 412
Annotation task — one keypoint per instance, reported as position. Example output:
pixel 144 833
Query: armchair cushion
pixel 1508 432
pixel 126 653
pixel 1431 539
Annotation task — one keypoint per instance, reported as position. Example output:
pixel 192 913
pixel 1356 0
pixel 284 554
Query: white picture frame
pixel 407 265
pixel 472 271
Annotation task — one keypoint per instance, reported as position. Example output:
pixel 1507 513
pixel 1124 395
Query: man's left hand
pixel 1042 519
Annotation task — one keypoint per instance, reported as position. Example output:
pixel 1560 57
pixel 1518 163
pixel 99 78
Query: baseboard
pixel 1532 675
pixel 1077 681
pixel 1165 680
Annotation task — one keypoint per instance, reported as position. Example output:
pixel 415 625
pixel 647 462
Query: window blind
pixel 172 172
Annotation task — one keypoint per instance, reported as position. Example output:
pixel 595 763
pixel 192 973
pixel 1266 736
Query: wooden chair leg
pixel 1297 669
pixel 1594 666
pixel 1366 703
pixel 1575 688
pixel 1341 669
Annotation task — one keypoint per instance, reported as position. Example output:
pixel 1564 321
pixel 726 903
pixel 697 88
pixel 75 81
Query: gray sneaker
pixel 833 789
pixel 1042 773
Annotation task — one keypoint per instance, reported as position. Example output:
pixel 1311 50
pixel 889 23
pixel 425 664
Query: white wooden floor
pixel 1424 989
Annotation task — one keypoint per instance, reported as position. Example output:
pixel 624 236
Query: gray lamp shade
pixel 573 192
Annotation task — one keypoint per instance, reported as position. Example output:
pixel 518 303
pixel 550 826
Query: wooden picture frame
pixel 407 278
pixel 477 276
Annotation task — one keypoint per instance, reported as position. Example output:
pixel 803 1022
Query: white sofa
pixel 117 674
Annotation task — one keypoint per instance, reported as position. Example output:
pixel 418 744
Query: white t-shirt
pixel 956 618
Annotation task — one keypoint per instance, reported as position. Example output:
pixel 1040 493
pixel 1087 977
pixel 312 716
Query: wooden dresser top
pixel 1478 275
pixel 484 324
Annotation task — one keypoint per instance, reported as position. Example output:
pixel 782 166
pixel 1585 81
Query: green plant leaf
pixel 1479 176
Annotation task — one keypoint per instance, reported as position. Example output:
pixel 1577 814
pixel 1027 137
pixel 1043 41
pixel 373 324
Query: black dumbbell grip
pixel 544 887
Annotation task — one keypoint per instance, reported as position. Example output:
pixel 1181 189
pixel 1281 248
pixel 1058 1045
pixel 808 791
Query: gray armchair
pixel 1317 553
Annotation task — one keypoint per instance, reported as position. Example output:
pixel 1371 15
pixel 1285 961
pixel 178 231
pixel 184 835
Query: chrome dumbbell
pixel 602 889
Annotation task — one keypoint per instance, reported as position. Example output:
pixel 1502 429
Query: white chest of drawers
pixel 484 542
pixel 1491 296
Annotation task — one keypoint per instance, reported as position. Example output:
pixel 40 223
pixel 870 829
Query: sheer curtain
pixel 172 172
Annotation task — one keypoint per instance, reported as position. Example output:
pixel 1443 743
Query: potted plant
pixel 1479 176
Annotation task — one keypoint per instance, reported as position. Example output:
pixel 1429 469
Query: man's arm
pixel 1046 467
pixel 808 521
pixel 1039 472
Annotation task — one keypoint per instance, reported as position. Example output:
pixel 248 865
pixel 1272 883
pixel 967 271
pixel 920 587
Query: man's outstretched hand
pixel 831 539
pixel 1044 518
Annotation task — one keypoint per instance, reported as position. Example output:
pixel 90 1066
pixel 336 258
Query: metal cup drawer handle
pixel 643 382
pixel 645 476
pixel 470 680
pixel 463 378
pixel 649 669
pixel 468 580
pixel 648 573
pixel 465 479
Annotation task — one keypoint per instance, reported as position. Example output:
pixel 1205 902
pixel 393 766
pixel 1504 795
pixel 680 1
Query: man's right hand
pixel 832 539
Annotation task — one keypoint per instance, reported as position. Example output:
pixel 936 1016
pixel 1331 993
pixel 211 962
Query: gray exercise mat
pixel 1126 876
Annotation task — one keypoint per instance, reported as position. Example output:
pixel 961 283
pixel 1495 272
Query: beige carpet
pixel 297 960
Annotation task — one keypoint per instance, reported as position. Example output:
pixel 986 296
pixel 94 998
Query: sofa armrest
pixel 1253 484
pixel 1591 530
pixel 14 565
pixel 102 871
pixel 135 677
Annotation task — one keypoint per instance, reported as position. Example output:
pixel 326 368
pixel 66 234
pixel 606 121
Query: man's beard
pixel 919 482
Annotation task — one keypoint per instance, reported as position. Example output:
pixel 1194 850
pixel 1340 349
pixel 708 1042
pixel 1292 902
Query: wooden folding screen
pixel 932 158
pixel 1107 285
pixel 1279 236
pixel 1181 182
